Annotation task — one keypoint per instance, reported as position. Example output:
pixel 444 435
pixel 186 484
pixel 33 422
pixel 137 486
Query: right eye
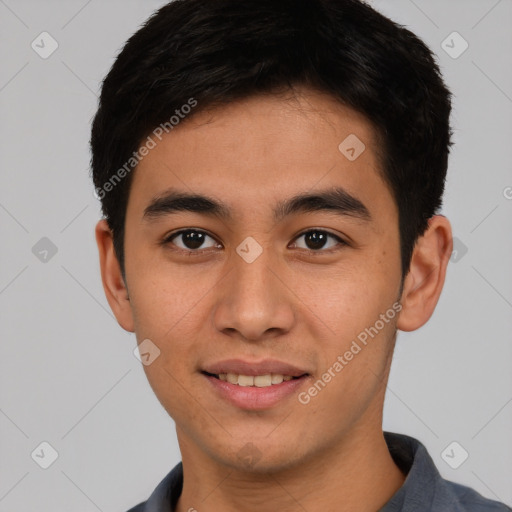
pixel 191 240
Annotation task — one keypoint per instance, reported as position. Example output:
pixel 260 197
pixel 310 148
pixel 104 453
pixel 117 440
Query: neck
pixel 357 474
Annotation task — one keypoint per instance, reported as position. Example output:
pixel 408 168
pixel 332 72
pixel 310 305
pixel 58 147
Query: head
pixel 217 115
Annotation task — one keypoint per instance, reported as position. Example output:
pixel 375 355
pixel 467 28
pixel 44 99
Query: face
pixel 252 280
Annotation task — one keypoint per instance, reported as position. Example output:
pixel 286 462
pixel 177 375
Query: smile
pixel 255 392
pixel 259 381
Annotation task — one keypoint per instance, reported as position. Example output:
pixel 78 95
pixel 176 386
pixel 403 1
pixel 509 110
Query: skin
pixel 289 304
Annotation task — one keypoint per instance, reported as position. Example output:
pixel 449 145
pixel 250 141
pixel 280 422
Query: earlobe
pixel 424 282
pixel 112 278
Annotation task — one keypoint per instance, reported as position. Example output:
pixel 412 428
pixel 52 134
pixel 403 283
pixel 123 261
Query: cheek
pixel 167 312
pixel 359 307
pixel 171 307
pixel 349 385
pixel 163 295
pixel 169 317
pixel 352 298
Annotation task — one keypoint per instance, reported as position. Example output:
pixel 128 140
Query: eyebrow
pixel 335 199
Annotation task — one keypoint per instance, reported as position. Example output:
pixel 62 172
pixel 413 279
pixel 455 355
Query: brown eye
pixel 191 239
pixel 316 239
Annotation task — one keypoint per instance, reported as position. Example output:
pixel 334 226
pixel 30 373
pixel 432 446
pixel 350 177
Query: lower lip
pixel 254 398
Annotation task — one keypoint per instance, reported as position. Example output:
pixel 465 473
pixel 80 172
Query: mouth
pixel 258 381
pixel 254 386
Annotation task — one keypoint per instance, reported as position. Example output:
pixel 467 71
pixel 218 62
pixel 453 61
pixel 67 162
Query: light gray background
pixel 67 371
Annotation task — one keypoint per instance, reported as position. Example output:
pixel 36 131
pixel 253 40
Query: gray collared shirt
pixel 424 490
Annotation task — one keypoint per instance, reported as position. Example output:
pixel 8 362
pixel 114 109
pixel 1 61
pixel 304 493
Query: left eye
pixel 317 238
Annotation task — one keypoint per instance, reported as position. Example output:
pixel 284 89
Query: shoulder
pixel 166 494
pixel 466 499
pixel 425 489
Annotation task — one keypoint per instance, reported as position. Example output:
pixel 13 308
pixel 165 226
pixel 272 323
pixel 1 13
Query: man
pixel 271 173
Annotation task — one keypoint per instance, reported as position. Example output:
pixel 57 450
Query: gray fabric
pixel 424 490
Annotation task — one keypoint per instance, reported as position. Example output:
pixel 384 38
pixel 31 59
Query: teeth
pixel 276 378
pixel 260 381
pixel 232 378
pixel 245 380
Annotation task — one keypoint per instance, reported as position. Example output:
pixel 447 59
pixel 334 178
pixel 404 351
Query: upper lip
pixel 253 368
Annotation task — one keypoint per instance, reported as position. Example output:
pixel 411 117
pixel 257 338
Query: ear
pixel 424 282
pixel 112 278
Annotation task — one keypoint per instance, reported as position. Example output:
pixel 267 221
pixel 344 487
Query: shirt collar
pixel 417 491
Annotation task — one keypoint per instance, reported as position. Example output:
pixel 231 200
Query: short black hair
pixel 204 53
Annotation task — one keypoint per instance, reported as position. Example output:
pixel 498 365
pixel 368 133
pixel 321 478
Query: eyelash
pixel 190 252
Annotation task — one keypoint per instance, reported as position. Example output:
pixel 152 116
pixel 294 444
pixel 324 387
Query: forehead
pixel 260 150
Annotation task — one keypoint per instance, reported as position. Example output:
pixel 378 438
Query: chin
pixel 261 456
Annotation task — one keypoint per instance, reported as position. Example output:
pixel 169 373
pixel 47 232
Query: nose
pixel 256 301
